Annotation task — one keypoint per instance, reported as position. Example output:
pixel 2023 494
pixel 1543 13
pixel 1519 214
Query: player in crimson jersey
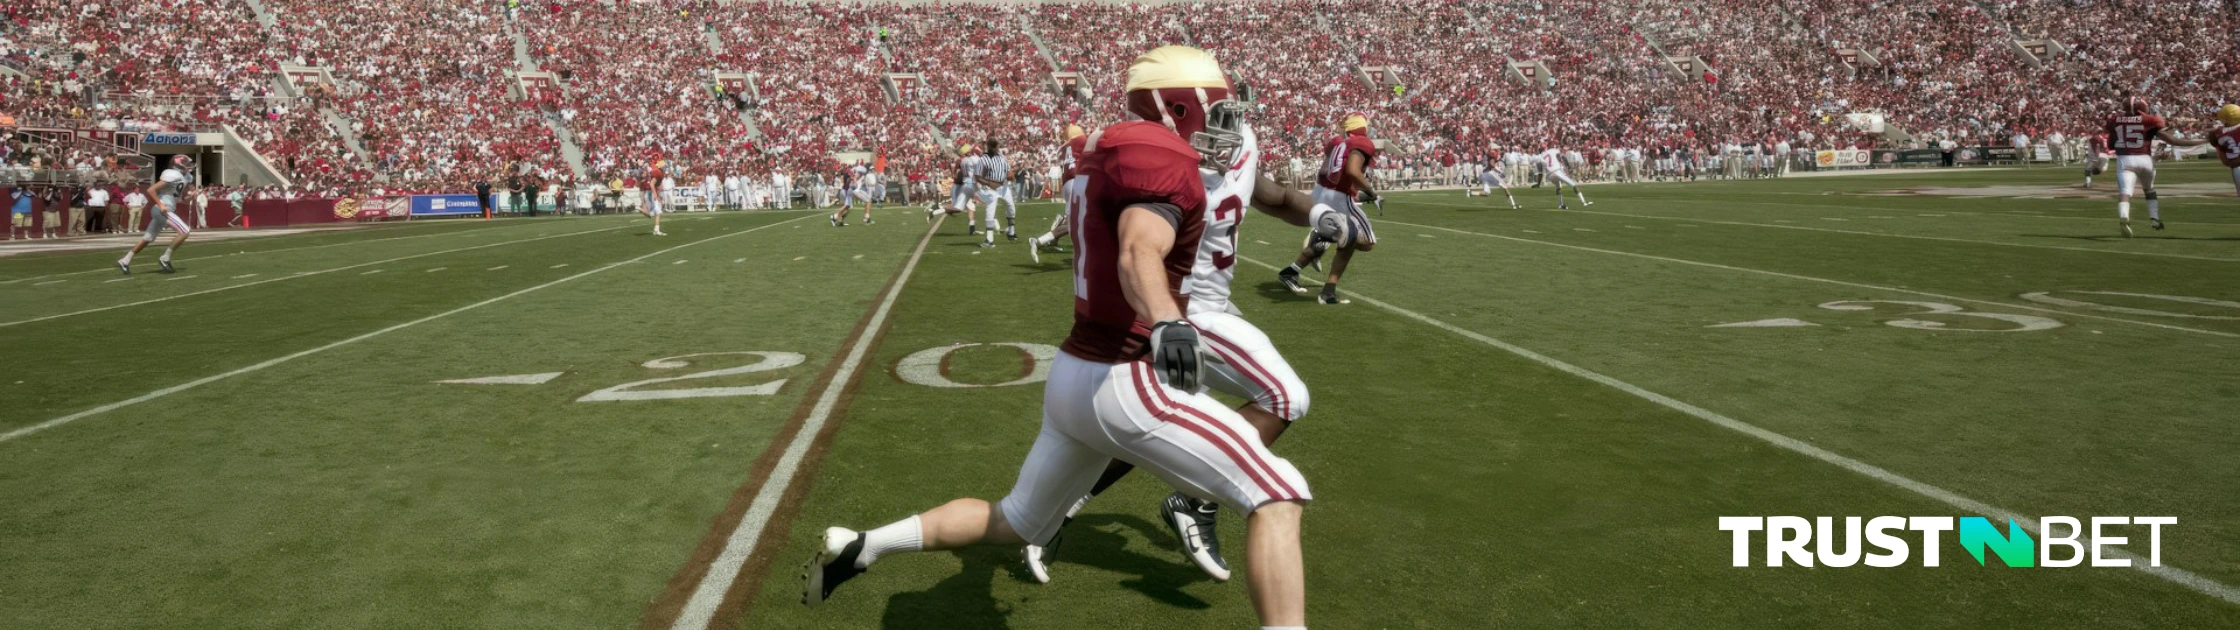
pixel 1126 385
pixel 650 189
pixel 1244 362
pixel 2131 133
pixel 1345 169
pixel 2227 142
pixel 1075 141
pixel 2096 158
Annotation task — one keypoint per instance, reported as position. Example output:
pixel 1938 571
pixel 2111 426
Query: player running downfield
pixel 1345 175
pixel 651 191
pixel 1069 191
pixel 1552 167
pixel 2131 133
pixel 961 189
pixel 2227 141
pixel 1126 384
pixel 1243 363
pixel 167 190
pixel 1494 176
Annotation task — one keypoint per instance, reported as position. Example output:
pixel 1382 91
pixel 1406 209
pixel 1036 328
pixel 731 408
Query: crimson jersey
pixel 1129 164
pixel 652 181
pixel 1072 160
pixel 1334 161
pixel 2227 142
pixel 2133 135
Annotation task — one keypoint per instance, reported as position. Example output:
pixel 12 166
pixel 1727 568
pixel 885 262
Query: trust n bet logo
pixel 1890 541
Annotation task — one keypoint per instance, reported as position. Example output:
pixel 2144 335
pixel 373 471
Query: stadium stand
pixel 429 87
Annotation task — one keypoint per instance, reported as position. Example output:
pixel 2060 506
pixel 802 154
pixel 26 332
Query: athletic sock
pixel 2154 209
pixel 1112 474
pixel 903 535
pixel 166 257
pixel 2123 210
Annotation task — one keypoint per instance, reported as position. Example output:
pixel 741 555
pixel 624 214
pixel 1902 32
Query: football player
pixel 167 190
pixel 961 189
pixel 2096 158
pixel 2227 140
pixel 1127 384
pixel 651 189
pixel 1345 175
pixel 1494 175
pixel 993 176
pixel 2132 132
pixel 1552 166
pixel 1244 363
pixel 1069 191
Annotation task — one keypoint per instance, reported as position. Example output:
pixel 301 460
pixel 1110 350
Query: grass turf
pixel 1457 484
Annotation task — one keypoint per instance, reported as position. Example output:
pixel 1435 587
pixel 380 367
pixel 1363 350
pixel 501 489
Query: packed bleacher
pixel 428 86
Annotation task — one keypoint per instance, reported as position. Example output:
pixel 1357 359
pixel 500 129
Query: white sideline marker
pixel 11 435
pixel 497 267
pixel 437 269
pixel 372 272
pixel 1778 322
pixel 701 608
pixel 1967 505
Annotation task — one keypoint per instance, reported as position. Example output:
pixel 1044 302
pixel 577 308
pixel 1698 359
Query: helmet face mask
pixel 1223 135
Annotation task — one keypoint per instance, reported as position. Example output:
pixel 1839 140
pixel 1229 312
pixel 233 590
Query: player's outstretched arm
pixel 2172 137
pixel 1357 172
pixel 1283 203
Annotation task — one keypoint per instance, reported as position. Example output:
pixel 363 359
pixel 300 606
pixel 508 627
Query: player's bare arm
pixel 1145 239
pixel 2171 136
pixel 1283 203
pixel 1356 167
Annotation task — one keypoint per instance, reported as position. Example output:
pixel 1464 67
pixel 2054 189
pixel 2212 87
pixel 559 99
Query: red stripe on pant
pixel 1147 388
pixel 1238 357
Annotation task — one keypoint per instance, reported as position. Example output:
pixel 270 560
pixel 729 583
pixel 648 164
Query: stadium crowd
pixel 428 86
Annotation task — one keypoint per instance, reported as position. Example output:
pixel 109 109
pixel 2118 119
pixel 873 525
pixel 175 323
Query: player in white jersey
pixel 1551 164
pixel 1493 176
pixel 961 189
pixel 1243 361
pixel 1070 190
pixel 993 175
pixel 168 189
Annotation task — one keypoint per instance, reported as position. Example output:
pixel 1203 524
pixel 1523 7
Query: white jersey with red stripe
pixel 1228 195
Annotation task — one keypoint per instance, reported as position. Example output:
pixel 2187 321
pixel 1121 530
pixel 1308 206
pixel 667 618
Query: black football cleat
pixel 1289 276
pixel 167 268
pixel 124 267
pixel 1193 522
pixel 2155 223
pixel 835 565
pixel 1329 296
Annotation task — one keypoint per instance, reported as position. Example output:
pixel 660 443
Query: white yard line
pixel 2177 576
pixel 1866 233
pixel 701 608
pixel 18 433
pixel 463 231
pixel 292 277
pixel 1860 285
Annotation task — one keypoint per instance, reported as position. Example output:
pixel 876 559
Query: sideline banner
pixel 444 205
pixel 1847 158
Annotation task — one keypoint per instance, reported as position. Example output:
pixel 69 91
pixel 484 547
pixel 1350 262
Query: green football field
pixel 1524 418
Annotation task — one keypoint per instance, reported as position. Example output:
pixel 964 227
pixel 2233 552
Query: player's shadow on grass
pixel 966 600
pixel 1050 264
pixel 1276 293
pixel 2143 237
pixel 1159 577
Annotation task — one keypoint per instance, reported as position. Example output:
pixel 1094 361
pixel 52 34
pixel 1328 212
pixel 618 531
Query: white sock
pixel 166 257
pixel 2154 209
pixel 902 535
pixel 2123 210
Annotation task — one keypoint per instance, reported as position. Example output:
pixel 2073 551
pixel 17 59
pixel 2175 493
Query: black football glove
pixel 1174 354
